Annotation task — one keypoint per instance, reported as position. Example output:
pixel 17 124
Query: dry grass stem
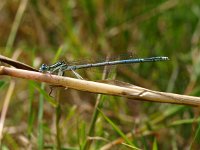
pixel 131 91
pixel 5 107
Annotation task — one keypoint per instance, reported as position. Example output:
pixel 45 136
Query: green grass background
pixel 85 30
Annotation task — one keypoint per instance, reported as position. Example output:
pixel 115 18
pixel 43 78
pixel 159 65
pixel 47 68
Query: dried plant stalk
pixel 130 91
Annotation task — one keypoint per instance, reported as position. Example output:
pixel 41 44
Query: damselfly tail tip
pixel 160 58
pixel 165 58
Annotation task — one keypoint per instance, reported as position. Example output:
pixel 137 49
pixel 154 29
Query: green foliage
pixel 80 30
pixel 2 84
pixel 117 130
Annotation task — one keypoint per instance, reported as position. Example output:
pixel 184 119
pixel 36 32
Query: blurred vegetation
pixel 81 30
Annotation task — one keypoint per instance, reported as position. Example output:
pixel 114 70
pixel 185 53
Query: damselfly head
pixel 43 68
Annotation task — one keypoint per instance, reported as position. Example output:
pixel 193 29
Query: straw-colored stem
pixel 130 91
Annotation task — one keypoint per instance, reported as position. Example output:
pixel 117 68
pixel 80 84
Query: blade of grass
pixel 90 11
pixel 62 148
pixel 81 134
pixel 117 129
pixel 32 113
pixel 129 146
pixel 99 104
pixel 184 121
pixel 2 84
pixel 196 138
pixel 71 113
pixel 40 121
pixel 5 107
pixel 57 55
pixel 11 142
pixel 44 93
pixel 155 145
pixel 58 116
pixel 15 26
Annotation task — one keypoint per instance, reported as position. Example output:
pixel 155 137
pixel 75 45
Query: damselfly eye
pixel 43 68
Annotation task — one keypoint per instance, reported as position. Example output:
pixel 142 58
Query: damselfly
pixel 61 66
